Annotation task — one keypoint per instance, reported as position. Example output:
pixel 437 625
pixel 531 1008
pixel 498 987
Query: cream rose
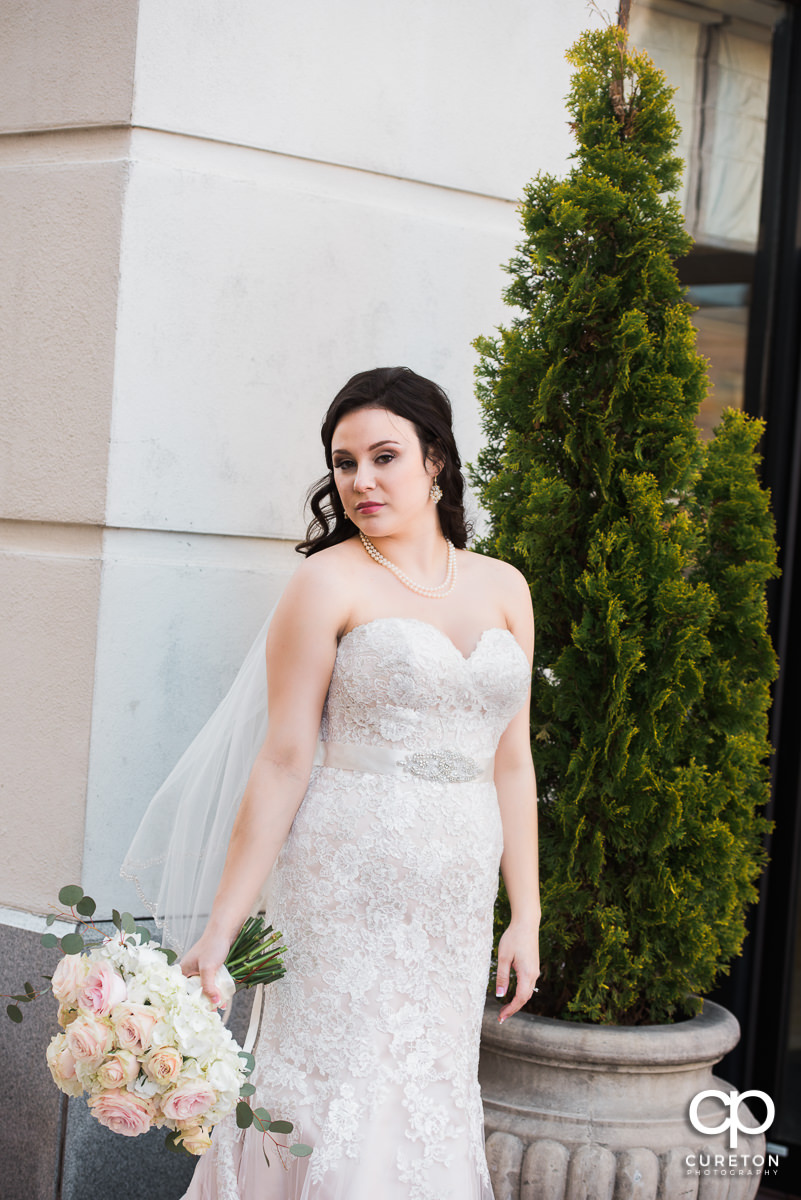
pixel 66 1015
pixel 123 1112
pixel 68 977
pixel 62 1066
pixel 195 1138
pixel 102 989
pixel 163 1065
pixel 89 1039
pixel 188 1101
pixel 119 1068
pixel 133 1025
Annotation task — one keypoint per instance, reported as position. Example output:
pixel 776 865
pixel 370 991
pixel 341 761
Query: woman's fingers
pixel 189 965
pixel 527 968
pixel 502 978
pixel 518 949
pixel 524 990
pixel 192 964
pixel 207 975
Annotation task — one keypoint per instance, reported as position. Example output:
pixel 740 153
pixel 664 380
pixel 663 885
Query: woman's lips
pixel 368 508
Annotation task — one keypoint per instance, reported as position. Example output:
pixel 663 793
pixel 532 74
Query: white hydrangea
pixel 194 1071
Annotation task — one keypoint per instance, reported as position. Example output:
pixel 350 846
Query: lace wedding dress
pixel 384 891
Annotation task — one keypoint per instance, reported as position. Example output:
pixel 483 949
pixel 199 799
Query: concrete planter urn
pixel 589 1112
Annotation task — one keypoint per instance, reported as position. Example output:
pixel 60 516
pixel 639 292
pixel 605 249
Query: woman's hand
pixel 518 948
pixel 205 959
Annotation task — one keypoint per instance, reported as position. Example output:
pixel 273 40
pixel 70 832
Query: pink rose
pixel 102 989
pixel 62 1066
pixel 89 1038
pixel 123 1112
pixel 133 1024
pixel 188 1101
pixel 163 1065
pixel 118 1069
pixel 68 977
pixel 195 1139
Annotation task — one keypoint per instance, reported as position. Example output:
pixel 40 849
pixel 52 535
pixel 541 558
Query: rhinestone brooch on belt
pixel 442 766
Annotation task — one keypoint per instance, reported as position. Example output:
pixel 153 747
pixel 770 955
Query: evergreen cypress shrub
pixel 647 553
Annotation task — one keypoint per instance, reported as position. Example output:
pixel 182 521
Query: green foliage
pixel 173 1141
pixel 82 909
pixel 72 943
pixel 647 556
pixel 244 1115
pixel 255 954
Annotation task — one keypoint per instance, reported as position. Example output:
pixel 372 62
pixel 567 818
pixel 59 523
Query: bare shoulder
pixel 508 587
pixel 495 573
pixel 320 590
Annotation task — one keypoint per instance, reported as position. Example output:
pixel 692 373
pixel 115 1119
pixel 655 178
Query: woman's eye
pixel 347 464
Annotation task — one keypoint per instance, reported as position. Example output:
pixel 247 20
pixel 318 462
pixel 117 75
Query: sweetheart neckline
pixel 466 658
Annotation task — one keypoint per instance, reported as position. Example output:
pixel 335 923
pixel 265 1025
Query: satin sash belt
pixel 441 766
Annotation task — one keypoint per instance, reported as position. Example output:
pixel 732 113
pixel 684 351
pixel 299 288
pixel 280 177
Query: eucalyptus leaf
pixel 281 1127
pixel 116 919
pixel 144 934
pixel 86 906
pixel 300 1150
pixel 247 1089
pixel 14 1013
pixel 244 1115
pixel 127 922
pixel 170 955
pixel 71 943
pixel 50 918
pixel 263 1115
pixel 29 988
pixel 250 1061
pixel 48 940
pixel 70 895
pixel 172 1143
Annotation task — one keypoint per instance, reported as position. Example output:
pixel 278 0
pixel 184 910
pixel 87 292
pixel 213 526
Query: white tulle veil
pixel 176 857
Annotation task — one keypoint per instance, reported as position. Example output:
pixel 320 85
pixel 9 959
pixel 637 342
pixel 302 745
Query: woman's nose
pixel 365 478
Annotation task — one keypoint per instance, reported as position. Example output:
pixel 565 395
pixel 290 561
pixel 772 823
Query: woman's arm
pixel 517 799
pixel 301 649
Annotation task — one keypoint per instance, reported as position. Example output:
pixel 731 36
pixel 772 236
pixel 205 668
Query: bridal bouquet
pixel 144 1041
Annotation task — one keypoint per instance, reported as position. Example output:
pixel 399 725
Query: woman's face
pixel 379 471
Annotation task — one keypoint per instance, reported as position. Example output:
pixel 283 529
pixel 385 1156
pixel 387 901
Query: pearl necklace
pixel 436 593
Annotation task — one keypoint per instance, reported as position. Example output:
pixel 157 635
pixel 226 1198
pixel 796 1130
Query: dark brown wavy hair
pixel 400 391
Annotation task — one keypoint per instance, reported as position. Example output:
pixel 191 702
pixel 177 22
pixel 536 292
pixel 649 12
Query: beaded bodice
pixel 402 682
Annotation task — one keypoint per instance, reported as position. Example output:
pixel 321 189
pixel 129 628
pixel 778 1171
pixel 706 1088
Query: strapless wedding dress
pixel 384 891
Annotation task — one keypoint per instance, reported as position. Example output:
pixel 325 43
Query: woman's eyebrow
pixel 375 445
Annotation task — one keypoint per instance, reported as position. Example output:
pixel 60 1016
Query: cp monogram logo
pixel 732 1101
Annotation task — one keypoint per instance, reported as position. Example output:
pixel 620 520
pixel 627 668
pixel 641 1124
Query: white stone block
pixel 452 92
pixel 252 287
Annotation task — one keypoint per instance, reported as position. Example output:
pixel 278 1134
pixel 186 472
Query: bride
pixel 407 658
